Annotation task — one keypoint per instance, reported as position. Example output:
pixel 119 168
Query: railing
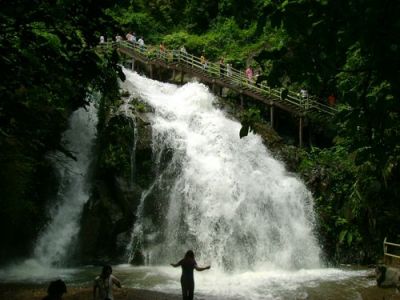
pixel 388 257
pixel 230 75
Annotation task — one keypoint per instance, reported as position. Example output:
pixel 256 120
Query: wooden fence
pixel 388 257
pixel 230 75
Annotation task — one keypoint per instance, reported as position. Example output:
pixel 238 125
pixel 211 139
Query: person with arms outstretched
pixel 104 283
pixel 188 264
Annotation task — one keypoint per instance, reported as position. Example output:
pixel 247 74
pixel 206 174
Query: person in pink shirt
pixel 249 74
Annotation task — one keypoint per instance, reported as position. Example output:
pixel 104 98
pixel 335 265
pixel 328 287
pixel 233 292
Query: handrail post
pixel 384 246
pixel 307 103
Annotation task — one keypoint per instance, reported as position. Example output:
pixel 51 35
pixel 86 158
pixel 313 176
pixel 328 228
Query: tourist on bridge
pixel 222 67
pixel 188 264
pixel 183 50
pixel 304 98
pixel 229 70
pixel 303 93
pixel 141 43
pixel 118 38
pixel 331 100
pixel 249 74
pixel 162 50
pixel 104 284
pixel 203 61
pixel 133 38
pixel 128 36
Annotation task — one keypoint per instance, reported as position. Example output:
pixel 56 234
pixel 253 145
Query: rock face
pixel 121 171
pixel 387 276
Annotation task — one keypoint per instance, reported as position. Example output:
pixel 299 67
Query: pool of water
pixel 325 283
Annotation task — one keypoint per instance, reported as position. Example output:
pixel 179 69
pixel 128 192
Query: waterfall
pixel 126 110
pixel 226 198
pixel 53 244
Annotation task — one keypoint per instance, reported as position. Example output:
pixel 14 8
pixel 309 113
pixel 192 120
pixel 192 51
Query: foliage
pixel 347 48
pixel 249 118
pixel 351 49
pixel 48 64
pixel 224 39
pixel 337 199
pixel 141 23
pixel 141 107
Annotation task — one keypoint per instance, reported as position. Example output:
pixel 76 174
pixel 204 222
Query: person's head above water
pixel 56 289
pixel 106 271
pixel 189 254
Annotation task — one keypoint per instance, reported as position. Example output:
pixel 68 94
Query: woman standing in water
pixel 188 264
pixel 104 283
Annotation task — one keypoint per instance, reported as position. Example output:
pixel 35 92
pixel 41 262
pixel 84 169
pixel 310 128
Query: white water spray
pixel 230 201
pixel 52 245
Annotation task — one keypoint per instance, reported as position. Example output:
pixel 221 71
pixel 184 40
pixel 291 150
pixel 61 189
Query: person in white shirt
pixel 183 49
pixel 118 38
pixel 141 42
pixel 229 70
pixel 104 284
pixel 303 93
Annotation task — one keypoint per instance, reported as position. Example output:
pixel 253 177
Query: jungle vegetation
pixel 350 48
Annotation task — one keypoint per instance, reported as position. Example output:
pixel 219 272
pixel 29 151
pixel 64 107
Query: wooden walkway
pixel 234 79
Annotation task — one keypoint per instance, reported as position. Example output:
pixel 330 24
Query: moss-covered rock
pixel 122 170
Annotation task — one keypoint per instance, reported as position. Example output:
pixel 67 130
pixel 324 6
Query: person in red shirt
pixel 331 100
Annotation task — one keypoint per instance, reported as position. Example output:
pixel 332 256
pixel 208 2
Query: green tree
pixel 350 48
pixel 48 64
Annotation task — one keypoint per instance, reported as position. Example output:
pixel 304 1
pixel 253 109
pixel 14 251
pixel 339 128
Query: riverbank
pixel 32 292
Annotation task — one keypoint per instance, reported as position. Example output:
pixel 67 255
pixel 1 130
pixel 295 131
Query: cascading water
pixel 229 199
pixel 126 110
pixel 224 197
pixel 52 245
pixel 55 241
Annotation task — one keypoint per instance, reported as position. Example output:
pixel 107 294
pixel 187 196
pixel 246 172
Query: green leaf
pixel 349 238
pixel 342 235
pixel 51 39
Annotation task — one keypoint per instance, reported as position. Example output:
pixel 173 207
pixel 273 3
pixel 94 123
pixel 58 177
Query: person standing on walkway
pixel 133 38
pixel 203 61
pixel 162 50
pixel 331 100
pixel 188 264
pixel 249 74
pixel 128 37
pixel 118 38
pixel 221 67
pixel 228 70
pixel 104 284
pixel 183 49
pixel 141 43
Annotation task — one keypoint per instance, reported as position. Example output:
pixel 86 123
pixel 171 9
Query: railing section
pixel 230 75
pixel 386 253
